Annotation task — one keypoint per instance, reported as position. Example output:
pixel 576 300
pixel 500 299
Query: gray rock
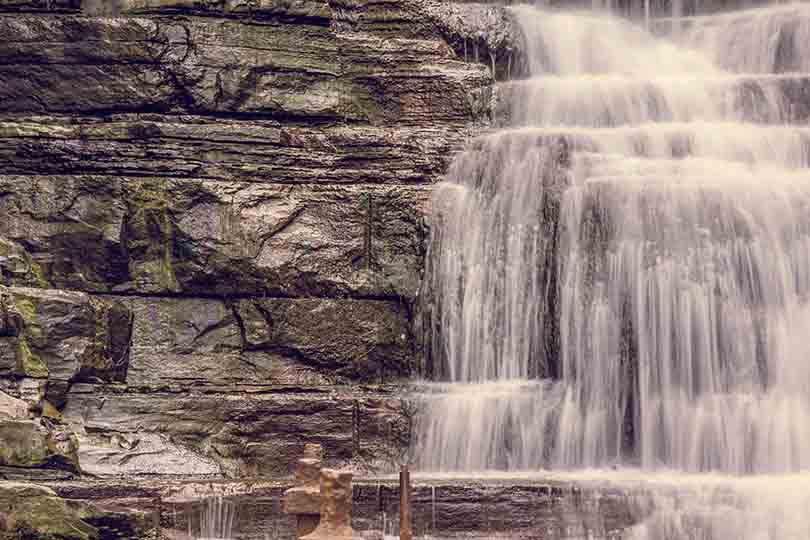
pixel 212 234
pixel 360 339
pixel 195 66
pixel 201 237
pixel 236 432
pixel 29 443
pixel 40 5
pixel 66 337
pixel 12 408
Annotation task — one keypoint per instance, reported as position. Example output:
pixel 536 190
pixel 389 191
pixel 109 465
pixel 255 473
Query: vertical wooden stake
pixel 405 532
pixel 156 518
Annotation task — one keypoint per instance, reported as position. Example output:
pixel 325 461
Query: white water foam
pixel 681 247
pixel 621 277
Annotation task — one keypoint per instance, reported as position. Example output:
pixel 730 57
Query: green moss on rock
pixel 150 238
pixel 28 363
pixel 17 266
pixel 36 512
pixel 25 307
pixel 25 443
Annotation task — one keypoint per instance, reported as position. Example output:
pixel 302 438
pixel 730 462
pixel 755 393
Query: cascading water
pixel 217 517
pixel 622 275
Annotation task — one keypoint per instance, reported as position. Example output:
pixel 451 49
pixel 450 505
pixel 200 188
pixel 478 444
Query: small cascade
pixel 620 277
pixel 433 509
pixel 647 14
pixel 677 17
pixel 217 518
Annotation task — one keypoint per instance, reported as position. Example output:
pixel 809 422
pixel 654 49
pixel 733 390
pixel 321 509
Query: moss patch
pixel 150 238
pixel 37 512
pixel 23 444
pixel 28 363
pixel 29 273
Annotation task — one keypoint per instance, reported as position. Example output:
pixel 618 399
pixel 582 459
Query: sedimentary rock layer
pixel 211 224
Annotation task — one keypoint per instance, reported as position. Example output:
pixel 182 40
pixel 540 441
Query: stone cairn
pixel 321 499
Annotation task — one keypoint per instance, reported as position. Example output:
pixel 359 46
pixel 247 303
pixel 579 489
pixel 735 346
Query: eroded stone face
pixel 200 237
pixel 211 223
pixel 205 431
pixel 29 443
pixel 12 408
pixel 65 337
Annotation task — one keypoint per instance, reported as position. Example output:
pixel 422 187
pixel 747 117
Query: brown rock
pixel 302 500
pixel 307 472
pixel 313 451
pixel 336 507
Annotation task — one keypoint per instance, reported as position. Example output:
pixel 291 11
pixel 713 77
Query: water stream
pixel 620 277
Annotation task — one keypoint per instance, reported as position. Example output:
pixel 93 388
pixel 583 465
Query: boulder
pixel 32 512
pixel 12 408
pixel 65 337
pixel 30 443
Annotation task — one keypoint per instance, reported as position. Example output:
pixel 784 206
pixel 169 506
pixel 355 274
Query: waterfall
pixel 677 15
pixel 216 520
pixel 621 275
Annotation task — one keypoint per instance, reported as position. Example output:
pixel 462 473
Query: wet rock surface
pixel 212 231
pixel 35 512
pixel 442 509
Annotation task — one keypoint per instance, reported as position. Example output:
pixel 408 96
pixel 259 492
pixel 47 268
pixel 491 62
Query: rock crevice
pixel 212 225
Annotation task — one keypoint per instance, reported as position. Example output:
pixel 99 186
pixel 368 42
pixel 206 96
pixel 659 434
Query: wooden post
pixel 405 532
pixel 156 512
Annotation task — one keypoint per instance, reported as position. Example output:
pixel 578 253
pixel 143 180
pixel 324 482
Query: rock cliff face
pixel 211 224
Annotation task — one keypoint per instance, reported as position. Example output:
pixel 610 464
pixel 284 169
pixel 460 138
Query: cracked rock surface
pixel 212 225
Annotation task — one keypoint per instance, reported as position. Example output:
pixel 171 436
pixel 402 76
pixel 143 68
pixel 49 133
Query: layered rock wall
pixel 211 224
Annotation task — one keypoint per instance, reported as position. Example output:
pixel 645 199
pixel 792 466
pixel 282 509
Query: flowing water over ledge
pixel 615 504
pixel 620 277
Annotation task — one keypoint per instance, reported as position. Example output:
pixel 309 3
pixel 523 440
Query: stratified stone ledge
pixel 196 237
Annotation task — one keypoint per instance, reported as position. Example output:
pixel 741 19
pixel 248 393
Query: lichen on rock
pixel 29 443
pixel 32 512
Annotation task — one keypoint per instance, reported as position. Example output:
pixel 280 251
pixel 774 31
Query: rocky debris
pixel 336 507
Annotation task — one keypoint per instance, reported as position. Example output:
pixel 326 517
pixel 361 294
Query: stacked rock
pixel 321 499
